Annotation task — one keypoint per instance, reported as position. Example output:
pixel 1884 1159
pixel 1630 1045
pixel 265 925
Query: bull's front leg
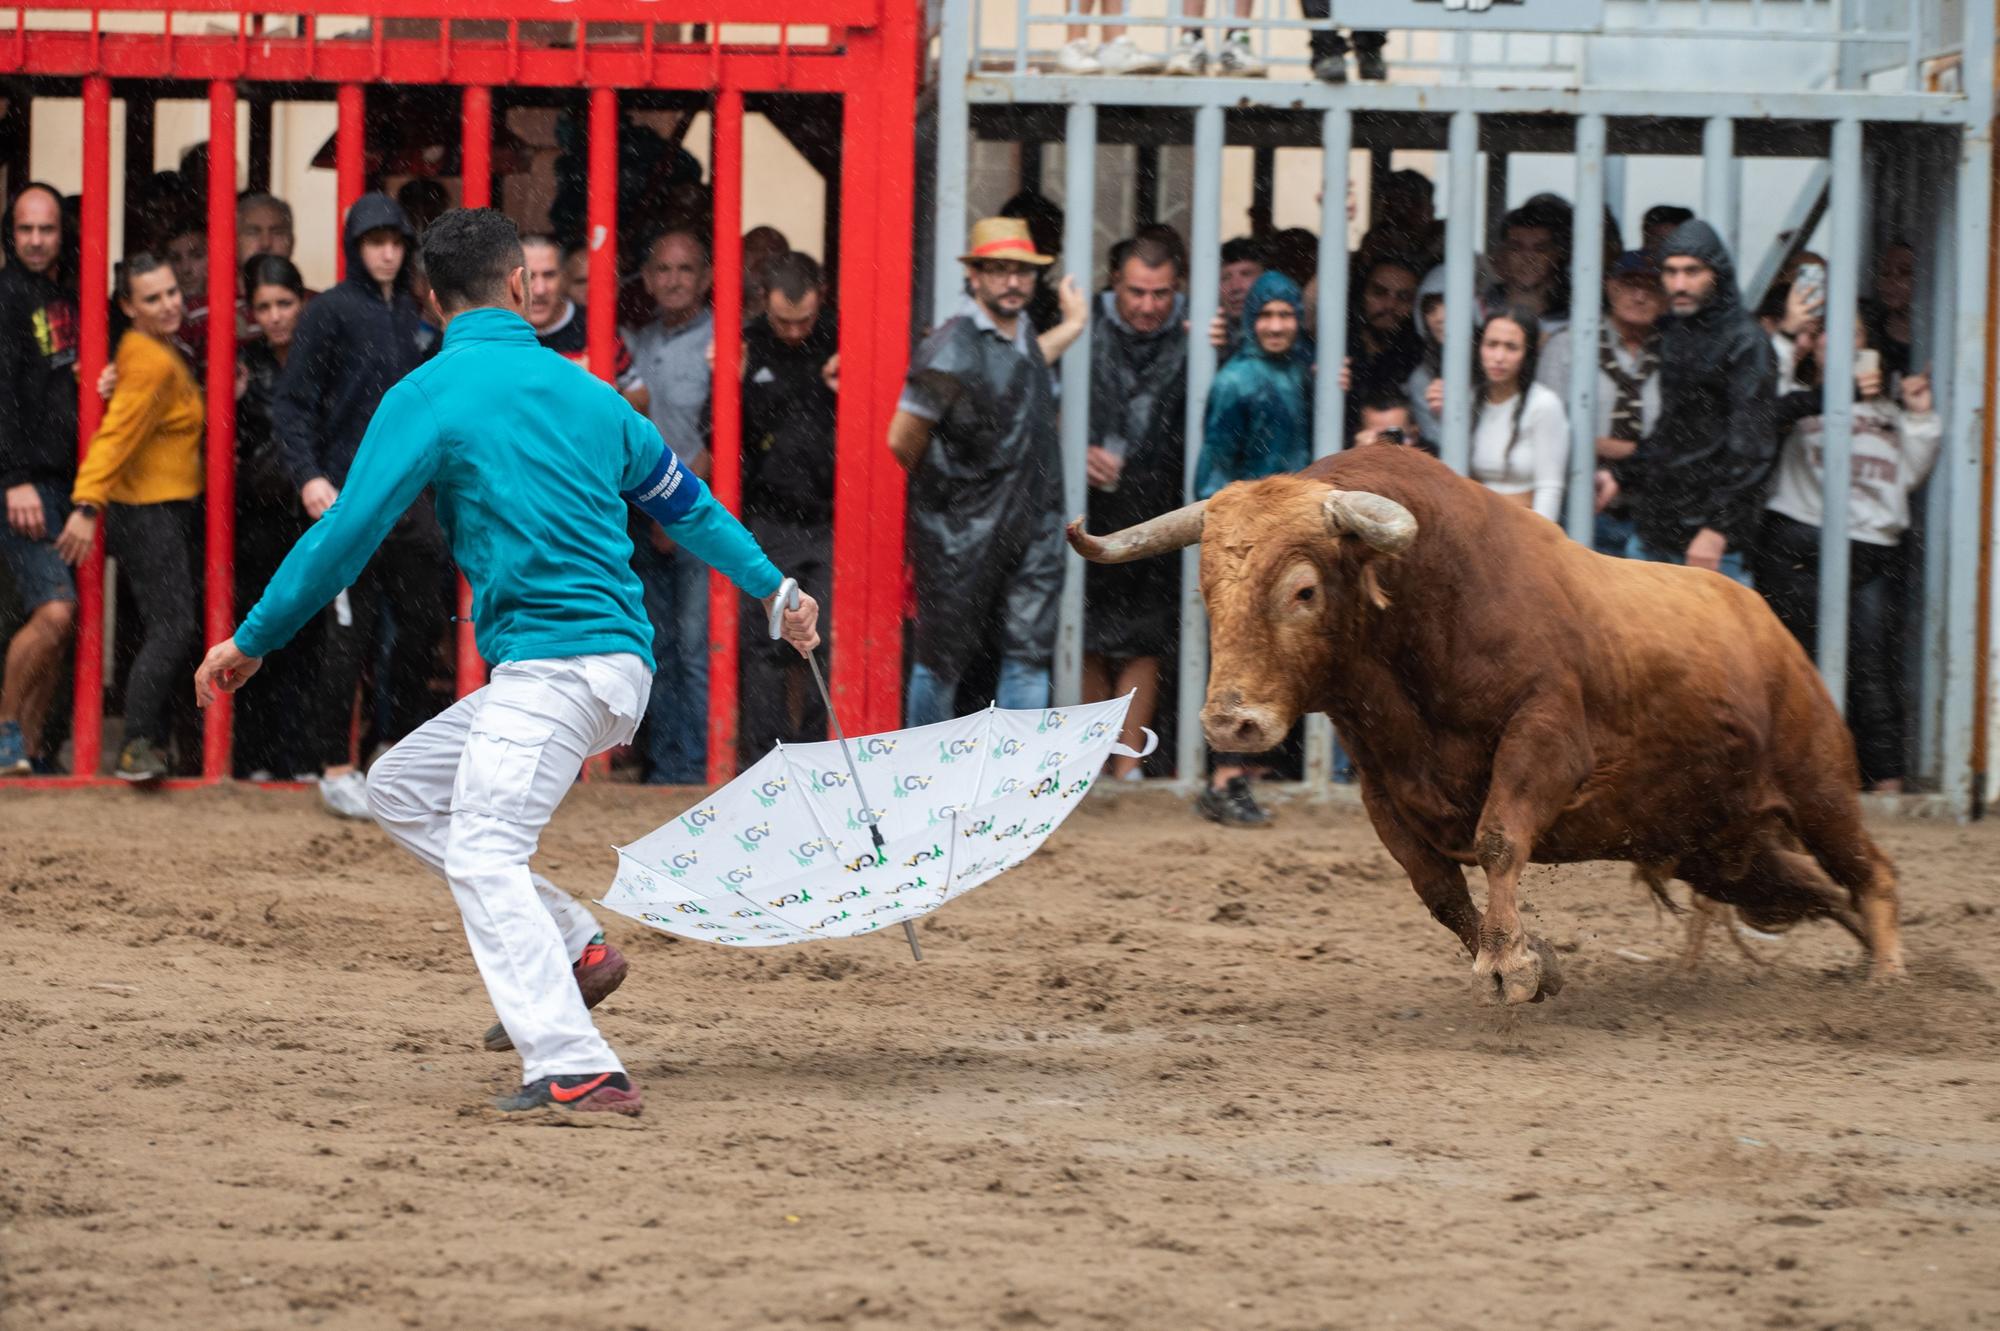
pixel 1541 760
pixel 1440 882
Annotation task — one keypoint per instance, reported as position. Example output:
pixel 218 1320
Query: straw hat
pixel 1002 240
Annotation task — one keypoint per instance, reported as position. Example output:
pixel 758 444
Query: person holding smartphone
pixel 1897 435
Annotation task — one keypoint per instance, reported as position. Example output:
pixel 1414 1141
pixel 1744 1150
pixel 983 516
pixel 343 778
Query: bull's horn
pixel 1383 523
pixel 1155 536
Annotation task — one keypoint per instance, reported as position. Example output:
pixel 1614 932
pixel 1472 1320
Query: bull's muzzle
pixel 1232 725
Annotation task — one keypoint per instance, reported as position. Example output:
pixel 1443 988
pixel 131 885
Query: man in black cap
pixel 1698 480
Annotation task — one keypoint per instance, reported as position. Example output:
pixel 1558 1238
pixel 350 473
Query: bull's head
pixel 1285 569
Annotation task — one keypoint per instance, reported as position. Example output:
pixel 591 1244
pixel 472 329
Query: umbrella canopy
pixel 784 853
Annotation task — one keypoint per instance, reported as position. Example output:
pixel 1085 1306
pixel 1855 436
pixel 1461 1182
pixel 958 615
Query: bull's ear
pixel 1383 523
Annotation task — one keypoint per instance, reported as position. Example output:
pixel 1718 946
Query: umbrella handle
pixel 786 599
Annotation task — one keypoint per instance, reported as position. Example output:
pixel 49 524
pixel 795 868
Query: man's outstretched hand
pixel 801 626
pixel 224 670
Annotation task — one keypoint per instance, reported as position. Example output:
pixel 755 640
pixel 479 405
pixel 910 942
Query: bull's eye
pixel 1305 595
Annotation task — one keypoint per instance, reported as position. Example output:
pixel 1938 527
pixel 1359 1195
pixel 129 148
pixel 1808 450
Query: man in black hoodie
pixel 790 368
pixel 353 344
pixel 38 342
pixel 1697 484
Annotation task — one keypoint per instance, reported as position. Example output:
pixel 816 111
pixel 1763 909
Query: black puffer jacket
pixel 788 414
pixel 351 348
pixel 1710 457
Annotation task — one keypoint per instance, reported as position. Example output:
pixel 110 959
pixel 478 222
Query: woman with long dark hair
pixel 273 738
pixel 1520 432
pixel 143 472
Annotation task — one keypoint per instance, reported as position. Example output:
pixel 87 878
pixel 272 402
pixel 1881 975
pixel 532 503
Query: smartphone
pixel 1867 360
pixel 1810 280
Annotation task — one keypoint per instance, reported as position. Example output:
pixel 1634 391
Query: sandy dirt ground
pixel 1163 1076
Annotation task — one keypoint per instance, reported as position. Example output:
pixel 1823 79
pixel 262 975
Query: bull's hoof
pixel 1521 970
pixel 1887 970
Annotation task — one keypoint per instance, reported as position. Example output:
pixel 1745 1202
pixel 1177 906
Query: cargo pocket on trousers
pixel 496 775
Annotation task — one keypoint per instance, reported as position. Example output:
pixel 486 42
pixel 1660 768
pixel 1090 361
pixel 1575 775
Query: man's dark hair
pixel 687 233
pixel 547 242
pixel 1148 250
pixel 1243 249
pixel 1166 235
pixel 1539 214
pixel 467 255
pixel 1377 262
pixel 793 275
pixel 1388 399
pixel 1666 214
pixel 136 265
pixel 1408 183
pixel 1295 253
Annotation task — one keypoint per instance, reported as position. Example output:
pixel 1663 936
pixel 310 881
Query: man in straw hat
pixel 976 430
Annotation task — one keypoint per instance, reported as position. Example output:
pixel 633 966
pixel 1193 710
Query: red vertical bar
pixel 897 45
pixel 350 162
pixel 94 312
pixel 475 191
pixel 219 563
pixel 856 437
pixel 725 157
pixel 602 219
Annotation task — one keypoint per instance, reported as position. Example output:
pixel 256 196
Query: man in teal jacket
pixel 532 462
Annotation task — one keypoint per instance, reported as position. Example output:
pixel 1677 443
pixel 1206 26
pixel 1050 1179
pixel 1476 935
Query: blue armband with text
pixel 669 492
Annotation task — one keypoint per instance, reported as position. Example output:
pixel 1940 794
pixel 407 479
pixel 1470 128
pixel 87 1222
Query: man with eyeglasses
pixel 976 430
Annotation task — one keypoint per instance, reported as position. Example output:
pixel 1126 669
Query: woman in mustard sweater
pixel 143 470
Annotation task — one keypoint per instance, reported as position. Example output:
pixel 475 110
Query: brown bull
pixel 1511 696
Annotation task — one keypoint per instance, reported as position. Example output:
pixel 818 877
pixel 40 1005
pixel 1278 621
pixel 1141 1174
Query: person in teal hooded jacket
pixel 1259 416
pixel 532 462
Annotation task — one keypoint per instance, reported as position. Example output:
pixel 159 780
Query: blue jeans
pixel 1732 560
pixel 933 698
pixel 1612 534
pixel 676 583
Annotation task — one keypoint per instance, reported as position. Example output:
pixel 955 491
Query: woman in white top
pixel 1520 432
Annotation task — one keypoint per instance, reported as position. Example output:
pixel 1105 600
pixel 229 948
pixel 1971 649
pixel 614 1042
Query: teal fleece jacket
pixel 531 460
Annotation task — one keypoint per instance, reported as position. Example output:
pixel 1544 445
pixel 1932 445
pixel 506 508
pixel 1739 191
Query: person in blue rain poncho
pixel 1258 423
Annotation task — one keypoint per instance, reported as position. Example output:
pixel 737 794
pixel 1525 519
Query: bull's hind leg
pixel 1543 757
pixel 1840 844
pixel 1440 883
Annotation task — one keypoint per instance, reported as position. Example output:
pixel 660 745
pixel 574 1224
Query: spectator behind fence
pixel 1700 475
pixel 1894 448
pixel 142 471
pixel 1520 432
pixel 1405 220
pixel 1383 348
pixel 1628 378
pixel 1428 320
pixel 671 353
pixel 1888 312
pixel 1387 418
pixel 1531 265
pixel 38 344
pixel 790 370
pixel 1136 468
pixel 1235 59
pixel 562 325
pixel 1242 265
pixel 274 735
pixel 263 226
pixel 761 245
pixel 186 249
pixel 976 430
pixel 1660 222
pixel 353 344
pixel 1257 422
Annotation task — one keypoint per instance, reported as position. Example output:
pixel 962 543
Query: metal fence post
pixel 954 129
pixel 1204 276
pixel 1461 245
pixel 1586 266
pixel 1843 294
pixel 1079 231
pixel 1336 138
pixel 1718 179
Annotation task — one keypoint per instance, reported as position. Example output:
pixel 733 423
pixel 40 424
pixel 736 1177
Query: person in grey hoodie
pixel 354 342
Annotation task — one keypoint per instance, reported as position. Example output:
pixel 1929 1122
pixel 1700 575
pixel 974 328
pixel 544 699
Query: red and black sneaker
pixel 598 971
pixel 580 1092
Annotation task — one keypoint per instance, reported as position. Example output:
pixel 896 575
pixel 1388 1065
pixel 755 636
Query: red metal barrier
pixel 219 564
pixel 872 64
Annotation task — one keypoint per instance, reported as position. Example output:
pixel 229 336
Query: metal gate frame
pixel 871 63
pixel 1464 121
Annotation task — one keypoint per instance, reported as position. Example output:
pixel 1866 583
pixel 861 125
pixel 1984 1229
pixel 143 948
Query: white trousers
pixel 469 793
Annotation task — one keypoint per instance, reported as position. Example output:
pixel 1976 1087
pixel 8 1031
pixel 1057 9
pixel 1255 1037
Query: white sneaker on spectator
pixel 345 796
pixel 1120 56
pixel 1190 57
pixel 1079 57
pixel 1237 60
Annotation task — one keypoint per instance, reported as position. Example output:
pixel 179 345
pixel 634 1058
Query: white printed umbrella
pixel 788 852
